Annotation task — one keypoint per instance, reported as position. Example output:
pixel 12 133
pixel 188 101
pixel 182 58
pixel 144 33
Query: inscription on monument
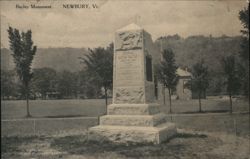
pixel 128 68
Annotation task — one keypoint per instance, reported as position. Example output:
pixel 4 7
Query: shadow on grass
pixel 206 111
pixel 189 135
pixel 185 135
pixel 64 116
pixel 11 144
pixel 54 116
pixel 79 145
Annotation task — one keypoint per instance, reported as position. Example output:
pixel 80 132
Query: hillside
pixel 56 58
pixel 191 49
pixel 187 52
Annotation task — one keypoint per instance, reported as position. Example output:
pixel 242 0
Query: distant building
pixel 182 89
pixel 53 95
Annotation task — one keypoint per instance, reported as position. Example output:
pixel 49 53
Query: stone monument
pixel 133 115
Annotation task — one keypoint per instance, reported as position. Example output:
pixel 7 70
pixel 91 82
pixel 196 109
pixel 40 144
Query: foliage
pixel 99 65
pixel 231 74
pixel 89 87
pixel 43 81
pixel 193 48
pixel 244 18
pixel 8 84
pixel 187 52
pixel 216 86
pixel 167 72
pixel 232 78
pixel 23 53
pixel 67 84
pixel 244 52
pixel 200 79
pixel 199 76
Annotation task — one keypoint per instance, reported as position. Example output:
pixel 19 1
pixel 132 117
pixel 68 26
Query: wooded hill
pixel 188 51
pixel 58 59
pixel 191 49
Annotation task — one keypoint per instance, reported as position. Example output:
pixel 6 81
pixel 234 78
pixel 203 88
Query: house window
pixel 149 68
pixel 186 85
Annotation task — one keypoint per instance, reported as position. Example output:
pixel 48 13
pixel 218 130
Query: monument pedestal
pixel 133 116
pixel 139 123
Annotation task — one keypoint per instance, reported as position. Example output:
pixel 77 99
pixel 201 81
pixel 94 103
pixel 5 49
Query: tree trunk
pixel 27 102
pixel 231 104
pixel 170 103
pixel 164 94
pixel 199 101
pixel 76 94
pixel 106 98
pixel 205 94
pixel 96 94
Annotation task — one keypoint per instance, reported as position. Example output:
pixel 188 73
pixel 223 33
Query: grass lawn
pixel 186 145
pixel 207 105
pixel 53 108
pixel 96 107
pixel 200 136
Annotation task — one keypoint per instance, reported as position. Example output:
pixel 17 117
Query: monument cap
pixel 129 27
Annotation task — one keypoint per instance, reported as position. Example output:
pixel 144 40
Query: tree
pixel 89 86
pixel 199 79
pixel 8 84
pixel 232 78
pixel 23 53
pixel 167 73
pixel 42 81
pixel 67 84
pixel 100 66
pixel 244 53
pixel 244 18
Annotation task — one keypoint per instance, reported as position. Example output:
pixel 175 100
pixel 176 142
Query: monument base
pixel 135 134
pixel 138 123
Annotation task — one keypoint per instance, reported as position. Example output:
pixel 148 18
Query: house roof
pixel 182 72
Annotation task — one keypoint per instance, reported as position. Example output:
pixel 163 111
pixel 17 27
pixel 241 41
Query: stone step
pixel 126 134
pixel 133 120
pixel 133 109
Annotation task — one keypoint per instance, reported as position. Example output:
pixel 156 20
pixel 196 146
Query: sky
pixel 93 27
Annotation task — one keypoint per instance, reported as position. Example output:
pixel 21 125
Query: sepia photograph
pixel 125 79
